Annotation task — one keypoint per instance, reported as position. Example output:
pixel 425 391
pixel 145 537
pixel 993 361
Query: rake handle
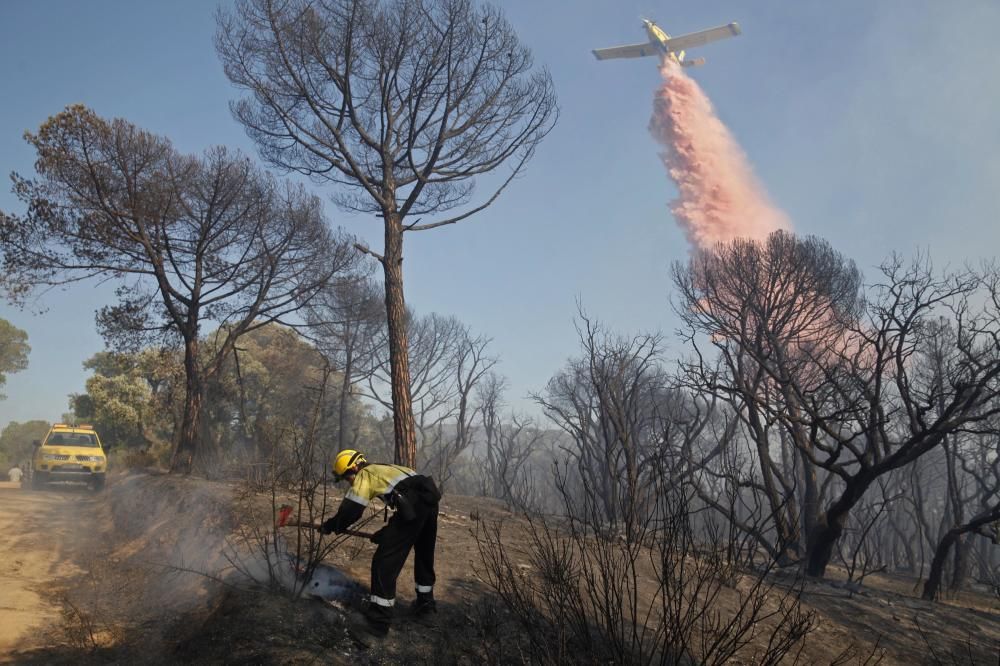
pixel 316 526
pixel 284 522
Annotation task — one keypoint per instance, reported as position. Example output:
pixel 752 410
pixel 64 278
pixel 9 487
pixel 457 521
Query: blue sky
pixel 872 124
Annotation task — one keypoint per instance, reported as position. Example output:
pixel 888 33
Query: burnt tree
pixel 612 402
pixel 980 461
pixel 838 376
pixel 764 304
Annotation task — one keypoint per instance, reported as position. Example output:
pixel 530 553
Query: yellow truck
pixel 69 453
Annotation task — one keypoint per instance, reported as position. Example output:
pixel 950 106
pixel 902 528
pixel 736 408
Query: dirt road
pixel 41 536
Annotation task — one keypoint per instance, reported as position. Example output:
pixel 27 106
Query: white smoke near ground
pixel 719 199
pixel 198 536
pixel 277 564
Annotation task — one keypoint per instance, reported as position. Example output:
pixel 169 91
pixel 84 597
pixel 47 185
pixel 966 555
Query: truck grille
pixel 61 457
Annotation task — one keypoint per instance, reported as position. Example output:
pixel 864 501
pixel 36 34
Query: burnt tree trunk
pixel 194 392
pixel 821 541
pixel 932 588
pixel 830 526
pixel 404 431
pixel 810 495
pixel 787 537
pixel 960 564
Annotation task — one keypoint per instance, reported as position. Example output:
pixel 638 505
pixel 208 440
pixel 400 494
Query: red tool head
pixel 284 512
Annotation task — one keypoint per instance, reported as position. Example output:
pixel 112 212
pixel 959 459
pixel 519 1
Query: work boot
pixel 424 608
pixel 371 625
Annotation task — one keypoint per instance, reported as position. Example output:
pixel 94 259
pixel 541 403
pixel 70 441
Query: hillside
pixel 135 574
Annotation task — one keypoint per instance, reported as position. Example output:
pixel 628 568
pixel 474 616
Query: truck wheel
pixel 97 485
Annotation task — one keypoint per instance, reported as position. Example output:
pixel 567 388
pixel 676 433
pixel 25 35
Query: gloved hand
pixel 378 536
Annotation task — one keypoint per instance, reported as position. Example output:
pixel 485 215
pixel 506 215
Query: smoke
pixel 718 197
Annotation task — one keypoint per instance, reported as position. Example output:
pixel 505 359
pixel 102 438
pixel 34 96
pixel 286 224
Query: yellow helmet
pixel 345 460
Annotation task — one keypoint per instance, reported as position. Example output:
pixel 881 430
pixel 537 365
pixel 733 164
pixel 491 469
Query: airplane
pixel 662 44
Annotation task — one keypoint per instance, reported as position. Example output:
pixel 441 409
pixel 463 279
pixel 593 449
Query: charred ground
pixel 138 573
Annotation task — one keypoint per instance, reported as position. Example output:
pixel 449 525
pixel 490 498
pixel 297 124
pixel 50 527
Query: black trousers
pixel 399 537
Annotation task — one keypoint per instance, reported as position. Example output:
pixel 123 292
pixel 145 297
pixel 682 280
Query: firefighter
pixel 414 499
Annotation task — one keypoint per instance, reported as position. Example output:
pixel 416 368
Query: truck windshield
pixel 71 439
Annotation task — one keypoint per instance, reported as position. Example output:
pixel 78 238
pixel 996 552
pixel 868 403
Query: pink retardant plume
pixel 719 198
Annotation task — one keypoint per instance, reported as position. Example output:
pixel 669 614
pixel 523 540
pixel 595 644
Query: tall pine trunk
pixel 399 359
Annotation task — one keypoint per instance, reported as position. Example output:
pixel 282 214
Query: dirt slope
pixel 108 578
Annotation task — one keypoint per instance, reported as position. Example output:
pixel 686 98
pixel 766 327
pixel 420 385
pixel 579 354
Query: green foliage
pixel 117 400
pixel 16 438
pixel 266 393
pixel 263 397
pixel 14 350
pixel 129 397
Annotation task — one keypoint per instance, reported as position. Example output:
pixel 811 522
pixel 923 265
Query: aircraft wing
pixel 627 51
pixel 702 37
